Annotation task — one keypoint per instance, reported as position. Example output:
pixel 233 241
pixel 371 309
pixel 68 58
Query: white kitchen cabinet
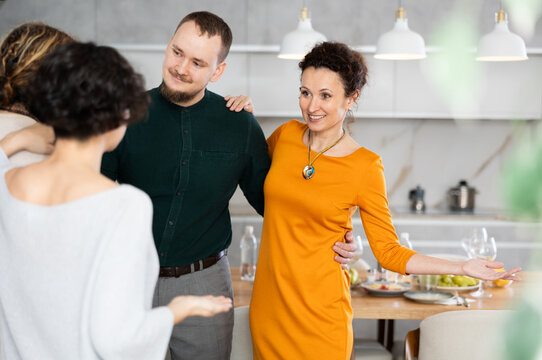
pixel 396 89
pixel 500 90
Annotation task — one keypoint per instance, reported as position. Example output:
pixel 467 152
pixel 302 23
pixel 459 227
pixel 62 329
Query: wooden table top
pixel 370 307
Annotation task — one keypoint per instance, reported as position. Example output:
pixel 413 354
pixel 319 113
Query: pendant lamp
pixel 298 43
pixel 501 44
pixel 400 43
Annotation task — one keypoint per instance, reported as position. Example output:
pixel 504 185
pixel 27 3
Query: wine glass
pixel 404 239
pixel 477 234
pixel 359 249
pixel 485 249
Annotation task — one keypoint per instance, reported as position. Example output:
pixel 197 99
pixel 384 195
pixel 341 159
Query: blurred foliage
pixel 524 331
pixel 453 69
pixel 522 179
pixel 523 15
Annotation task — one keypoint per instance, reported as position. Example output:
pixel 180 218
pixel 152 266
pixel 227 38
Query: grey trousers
pixel 197 337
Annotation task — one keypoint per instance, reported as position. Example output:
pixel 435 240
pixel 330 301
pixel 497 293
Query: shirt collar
pixel 196 106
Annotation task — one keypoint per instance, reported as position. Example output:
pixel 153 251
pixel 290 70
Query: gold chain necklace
pixel 308 171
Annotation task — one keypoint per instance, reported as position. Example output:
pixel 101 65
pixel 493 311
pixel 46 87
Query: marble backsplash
pixel 434 154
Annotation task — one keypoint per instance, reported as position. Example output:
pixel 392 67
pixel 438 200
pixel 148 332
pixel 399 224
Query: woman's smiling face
pixel 322 99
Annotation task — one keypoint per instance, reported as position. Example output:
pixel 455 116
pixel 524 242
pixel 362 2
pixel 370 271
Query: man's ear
pixel 218 72
pixel 168 44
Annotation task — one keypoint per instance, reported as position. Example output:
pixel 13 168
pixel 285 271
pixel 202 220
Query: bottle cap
pixel 249 228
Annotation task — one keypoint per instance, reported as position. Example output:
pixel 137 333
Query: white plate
pixel 385 293
pixel 427 297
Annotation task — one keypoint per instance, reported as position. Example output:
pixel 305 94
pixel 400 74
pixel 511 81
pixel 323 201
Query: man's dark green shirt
pixel 189 160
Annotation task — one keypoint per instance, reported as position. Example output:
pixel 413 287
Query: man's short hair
pixel 211 25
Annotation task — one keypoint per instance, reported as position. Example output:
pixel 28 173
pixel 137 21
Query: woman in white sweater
pixel 77 260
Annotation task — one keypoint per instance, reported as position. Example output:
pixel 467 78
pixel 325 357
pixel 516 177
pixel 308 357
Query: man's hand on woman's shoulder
pixel 238 103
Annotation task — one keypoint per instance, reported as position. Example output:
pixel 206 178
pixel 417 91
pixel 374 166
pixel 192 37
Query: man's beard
pixel 176 97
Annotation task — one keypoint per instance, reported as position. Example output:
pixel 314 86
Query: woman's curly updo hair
pixel 82 90
pixel 338 57
pixel 21 53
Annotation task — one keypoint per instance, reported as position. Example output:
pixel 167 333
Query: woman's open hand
pixel 207 306
pixel 484 270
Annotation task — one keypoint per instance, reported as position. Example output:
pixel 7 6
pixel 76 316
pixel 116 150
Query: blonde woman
pixel 21 53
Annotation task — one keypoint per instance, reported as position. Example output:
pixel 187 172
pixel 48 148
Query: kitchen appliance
pixel 461 198
pixel 415 196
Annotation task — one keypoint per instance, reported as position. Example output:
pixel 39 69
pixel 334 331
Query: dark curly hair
pixel 21 53
pixel 83 90
pixel 338 57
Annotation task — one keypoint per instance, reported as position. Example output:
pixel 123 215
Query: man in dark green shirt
pixel 189 156
pixel 190 161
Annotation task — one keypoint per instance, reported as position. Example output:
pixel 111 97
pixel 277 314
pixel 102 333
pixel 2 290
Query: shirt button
pixel 183 163
pixel 170 222
pixel 179 193
pixel 185 131
pixel 161 254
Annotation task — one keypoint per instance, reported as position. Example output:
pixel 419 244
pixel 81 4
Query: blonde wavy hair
pixel 21 52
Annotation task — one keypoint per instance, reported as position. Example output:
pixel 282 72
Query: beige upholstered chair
pixel 241 348
pixel 467 334
pixel 370 350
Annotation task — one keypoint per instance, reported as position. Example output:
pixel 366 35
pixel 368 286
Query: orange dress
pixel 300 307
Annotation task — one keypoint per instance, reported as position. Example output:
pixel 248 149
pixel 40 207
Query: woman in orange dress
pixel 319 175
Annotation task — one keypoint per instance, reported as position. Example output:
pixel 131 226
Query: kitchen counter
pixel 435 233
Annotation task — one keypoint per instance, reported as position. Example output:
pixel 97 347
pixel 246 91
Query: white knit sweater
pixel 77 279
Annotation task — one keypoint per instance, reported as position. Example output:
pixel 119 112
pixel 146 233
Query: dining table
pixel 388 309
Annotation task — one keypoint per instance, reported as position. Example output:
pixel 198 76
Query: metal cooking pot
pixel 461 198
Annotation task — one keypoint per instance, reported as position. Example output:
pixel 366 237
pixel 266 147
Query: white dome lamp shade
pixel 501 44
pixel 298 43
pixel 400 43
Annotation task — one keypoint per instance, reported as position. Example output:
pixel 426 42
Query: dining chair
pixel 365 349
pixel 241 347
pixel 467 334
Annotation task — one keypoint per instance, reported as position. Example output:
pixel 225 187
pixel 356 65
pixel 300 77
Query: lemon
pixel 501 282
pixel 354 276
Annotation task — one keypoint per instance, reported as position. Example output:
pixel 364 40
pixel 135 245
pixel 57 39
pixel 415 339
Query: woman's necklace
pixel 308 171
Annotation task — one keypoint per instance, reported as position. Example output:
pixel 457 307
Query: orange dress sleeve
pixel 376 218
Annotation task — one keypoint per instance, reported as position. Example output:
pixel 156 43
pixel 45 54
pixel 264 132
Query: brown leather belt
pixel 166 271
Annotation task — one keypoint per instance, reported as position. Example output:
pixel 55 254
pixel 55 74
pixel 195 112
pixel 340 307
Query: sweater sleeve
pixel 376 218
pixel 122 323
pixel 3 158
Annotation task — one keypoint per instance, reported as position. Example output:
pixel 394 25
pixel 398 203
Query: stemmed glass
pixel 404 240
pixel 481 247
pixel 359 249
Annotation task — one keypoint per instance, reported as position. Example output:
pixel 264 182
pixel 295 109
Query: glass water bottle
pixel 249 254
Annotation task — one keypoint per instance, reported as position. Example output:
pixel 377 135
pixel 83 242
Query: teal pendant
pixel 308 172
